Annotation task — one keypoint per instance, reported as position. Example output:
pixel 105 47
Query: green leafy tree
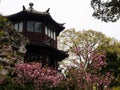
pixel 87 40
pixel 113 62
pixel 106 10
pixel 83 43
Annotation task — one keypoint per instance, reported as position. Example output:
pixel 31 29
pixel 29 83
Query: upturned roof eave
pixel 59 53
pixel 34 12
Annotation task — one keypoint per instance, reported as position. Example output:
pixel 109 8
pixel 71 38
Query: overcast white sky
pixel 75 13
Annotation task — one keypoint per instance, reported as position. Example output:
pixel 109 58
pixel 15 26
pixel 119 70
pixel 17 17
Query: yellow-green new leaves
pixel 89 40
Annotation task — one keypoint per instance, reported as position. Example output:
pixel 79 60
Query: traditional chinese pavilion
pixel 42 31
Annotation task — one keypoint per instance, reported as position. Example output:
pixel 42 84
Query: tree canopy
pixel 88 41
pixel 106 10
pixel 87 47
pixel 113 62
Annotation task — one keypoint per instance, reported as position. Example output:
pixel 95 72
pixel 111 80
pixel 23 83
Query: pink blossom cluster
pixel 36 74
pixel 97 61
pixel 83 79
pixel 88 71
pixel 103 80
pixel 78 50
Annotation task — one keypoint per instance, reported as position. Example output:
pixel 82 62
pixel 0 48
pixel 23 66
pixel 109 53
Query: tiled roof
pixel 30 12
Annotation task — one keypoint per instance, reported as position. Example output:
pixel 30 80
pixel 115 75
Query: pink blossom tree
pixel 37 76
pixel 82 77
pixel 85 71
